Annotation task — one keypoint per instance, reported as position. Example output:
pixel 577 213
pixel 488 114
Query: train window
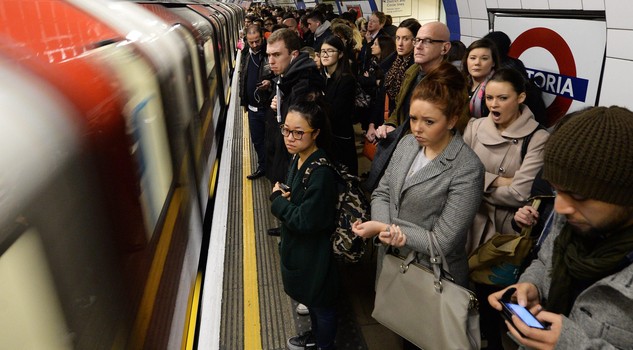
pixel 146 127
pixel 195 63
pixel 210 58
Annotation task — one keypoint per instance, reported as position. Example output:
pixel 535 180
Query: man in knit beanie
pixel 581 285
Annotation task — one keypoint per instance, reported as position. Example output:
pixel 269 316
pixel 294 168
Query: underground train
pixel 113 116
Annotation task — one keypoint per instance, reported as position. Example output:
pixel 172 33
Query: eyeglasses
pixel 328 52
pixel 267 24
pixel 427 41
pixel 296 134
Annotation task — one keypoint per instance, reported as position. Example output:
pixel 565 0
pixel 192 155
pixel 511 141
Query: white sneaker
pixel 302 310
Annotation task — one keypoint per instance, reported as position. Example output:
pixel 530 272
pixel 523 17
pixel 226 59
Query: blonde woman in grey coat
pixel 433 181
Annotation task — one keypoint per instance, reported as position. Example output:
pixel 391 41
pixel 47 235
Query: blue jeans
pixel 257 126
pixel 324 323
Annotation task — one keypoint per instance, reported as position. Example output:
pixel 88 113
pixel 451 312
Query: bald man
pixel 431 45
pixel 291 24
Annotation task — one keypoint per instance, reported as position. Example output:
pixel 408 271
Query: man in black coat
pixel 255 92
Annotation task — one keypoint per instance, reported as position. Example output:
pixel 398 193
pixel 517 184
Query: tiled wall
pixel 618 70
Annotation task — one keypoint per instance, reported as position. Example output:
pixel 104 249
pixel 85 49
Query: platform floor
pixel 277 319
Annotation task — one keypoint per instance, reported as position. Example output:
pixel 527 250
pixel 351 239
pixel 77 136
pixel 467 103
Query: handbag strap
pixel 438 261
pixel 527 230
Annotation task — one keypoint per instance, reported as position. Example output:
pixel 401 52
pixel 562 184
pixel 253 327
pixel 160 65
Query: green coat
pixel 398 115
pixel 308 268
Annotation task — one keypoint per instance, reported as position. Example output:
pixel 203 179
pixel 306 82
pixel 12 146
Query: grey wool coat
pixel 442 197
pixel 601 317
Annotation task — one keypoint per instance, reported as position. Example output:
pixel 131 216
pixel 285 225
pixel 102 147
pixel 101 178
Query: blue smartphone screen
pixel 525 315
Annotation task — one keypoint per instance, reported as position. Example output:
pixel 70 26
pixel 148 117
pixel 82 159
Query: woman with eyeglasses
pixel 340 95
pixel 479 64
pixel 307 214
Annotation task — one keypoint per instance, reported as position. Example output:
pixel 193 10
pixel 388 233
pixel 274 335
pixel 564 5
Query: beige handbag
pixel 424 306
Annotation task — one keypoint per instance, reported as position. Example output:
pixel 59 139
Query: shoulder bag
pixel 499 260
pixel 424 305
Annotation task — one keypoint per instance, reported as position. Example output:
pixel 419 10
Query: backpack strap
pixel 315 164
pixel 526 140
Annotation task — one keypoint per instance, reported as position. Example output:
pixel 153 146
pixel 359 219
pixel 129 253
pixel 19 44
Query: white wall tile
pixel 619 14
pixel 616 90
pixel 565 4
pixel 510 4
pixel 596 5
pixel 465 26
pixel 619 43
pixel 480 28
pixel 426 10
pixel 463 8
pixel 492 4
pixel 535 4
pixel 467 40
pixel 478 9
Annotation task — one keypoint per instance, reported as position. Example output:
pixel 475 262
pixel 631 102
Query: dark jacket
pixel 364 56
pixel 340 95
pixel 377 71
pixel 308 267
pixel 301 79
pixel 323 32
pixel 264 74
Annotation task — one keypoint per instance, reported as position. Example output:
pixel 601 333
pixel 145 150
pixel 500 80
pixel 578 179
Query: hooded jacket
pixel 301 79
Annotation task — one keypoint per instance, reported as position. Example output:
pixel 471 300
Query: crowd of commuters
pixel 461 152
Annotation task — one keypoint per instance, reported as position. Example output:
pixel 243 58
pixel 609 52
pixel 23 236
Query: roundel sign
pixel 564 84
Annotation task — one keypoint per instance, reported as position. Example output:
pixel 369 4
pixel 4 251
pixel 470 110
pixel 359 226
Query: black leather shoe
pixel 256 175
pixel 275 231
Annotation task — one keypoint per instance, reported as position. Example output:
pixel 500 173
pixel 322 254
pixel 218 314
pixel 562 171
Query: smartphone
pixel 524 314
pixel 284 187
pixel 509 308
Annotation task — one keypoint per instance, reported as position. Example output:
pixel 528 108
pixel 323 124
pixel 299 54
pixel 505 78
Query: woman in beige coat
pixel 498 141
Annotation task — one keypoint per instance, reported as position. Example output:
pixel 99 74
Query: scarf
pixel 394 76
pixel 579 260
pixel 478 98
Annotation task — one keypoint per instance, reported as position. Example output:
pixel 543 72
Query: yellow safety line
pixel 214 178
pixel 252 327
pixel 146 308
pixel 190 325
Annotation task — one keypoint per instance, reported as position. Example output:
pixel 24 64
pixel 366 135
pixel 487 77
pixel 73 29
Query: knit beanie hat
pixel 592 155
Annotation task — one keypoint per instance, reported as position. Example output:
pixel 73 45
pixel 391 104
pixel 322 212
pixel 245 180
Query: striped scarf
pixel 478 98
